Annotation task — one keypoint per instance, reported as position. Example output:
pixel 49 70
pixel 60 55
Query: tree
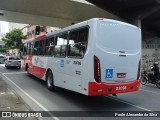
pixel 13 39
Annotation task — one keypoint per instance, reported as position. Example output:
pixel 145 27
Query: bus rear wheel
pixel 50 81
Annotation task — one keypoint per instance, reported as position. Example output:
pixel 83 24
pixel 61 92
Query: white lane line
pixel 128 103
pixel 150 91
pixel 35 101
pixel 15 73
pixel 3 65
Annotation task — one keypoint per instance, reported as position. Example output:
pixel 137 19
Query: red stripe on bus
pixel 38 71
pixel 40 37
pixel 96 89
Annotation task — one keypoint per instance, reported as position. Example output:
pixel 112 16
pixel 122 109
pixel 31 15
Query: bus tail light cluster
pixel 139 69
pixel 97 70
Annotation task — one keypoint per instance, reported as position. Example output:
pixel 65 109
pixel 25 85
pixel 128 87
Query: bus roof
pixel 78 25
pixel 86 22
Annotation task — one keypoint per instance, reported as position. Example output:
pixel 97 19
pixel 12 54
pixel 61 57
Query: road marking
pixel 15 73
pixel 3 65
pixel 35 101
pixel 45 109
pixel 132 104
pixel 128 103
pixel 150 91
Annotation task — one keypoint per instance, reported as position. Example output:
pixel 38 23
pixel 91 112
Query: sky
pixel 4 28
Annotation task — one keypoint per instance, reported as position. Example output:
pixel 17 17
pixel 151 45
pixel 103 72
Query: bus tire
pixel 50 81
pixel 158 84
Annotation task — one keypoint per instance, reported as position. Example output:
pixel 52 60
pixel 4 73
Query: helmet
pixel 156 63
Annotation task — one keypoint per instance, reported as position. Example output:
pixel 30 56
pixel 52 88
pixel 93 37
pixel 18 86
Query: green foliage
pixel 13 39
pixel 3 50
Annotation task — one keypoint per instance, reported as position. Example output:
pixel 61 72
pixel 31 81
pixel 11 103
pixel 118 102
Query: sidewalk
pixel 10 101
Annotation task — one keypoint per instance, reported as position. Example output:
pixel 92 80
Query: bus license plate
pixel 121 88
pixel 121 75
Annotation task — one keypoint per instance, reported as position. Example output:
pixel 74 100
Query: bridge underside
pixel 58 13
pixel 146 10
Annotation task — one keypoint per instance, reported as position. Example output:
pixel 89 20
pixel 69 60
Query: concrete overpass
pixel 58 13
pixel 148 11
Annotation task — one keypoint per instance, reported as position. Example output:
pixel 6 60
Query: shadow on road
pixel 94 103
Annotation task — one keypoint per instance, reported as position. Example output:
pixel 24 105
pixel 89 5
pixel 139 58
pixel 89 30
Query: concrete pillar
pixel 137 23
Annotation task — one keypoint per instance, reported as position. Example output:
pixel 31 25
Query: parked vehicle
pixel 13 62
pixel 148 77
pixel 2 59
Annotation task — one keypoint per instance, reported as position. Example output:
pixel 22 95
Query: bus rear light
pixel 97 70
pixel 139 69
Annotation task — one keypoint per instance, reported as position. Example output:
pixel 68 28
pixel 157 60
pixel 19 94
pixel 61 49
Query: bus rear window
pixel 118 37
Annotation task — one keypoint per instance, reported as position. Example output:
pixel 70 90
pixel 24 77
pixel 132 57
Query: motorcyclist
pixel 155 69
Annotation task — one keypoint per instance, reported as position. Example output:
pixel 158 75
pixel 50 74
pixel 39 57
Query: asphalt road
pixel 34 92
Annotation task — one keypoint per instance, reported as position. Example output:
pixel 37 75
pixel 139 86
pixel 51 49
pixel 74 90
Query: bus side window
pixel 24 50
pixel 78 42
pixel 30 47
pixel 41 47
pixel 83 40
pixel 46 46
pixel 60 47
pixel 49 45
pixel 27 48
pixel 36 48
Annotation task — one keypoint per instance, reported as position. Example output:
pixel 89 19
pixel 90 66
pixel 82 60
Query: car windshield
pixel 13 58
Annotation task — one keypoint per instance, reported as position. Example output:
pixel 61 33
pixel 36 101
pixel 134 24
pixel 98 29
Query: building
pixel 29 30
pixel 16 25
pixel 4 28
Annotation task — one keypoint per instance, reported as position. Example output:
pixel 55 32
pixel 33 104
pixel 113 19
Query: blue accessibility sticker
pixel 62 63
pixel 109 73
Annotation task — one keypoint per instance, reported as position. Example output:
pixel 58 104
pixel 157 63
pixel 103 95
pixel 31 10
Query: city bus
pixel 95 57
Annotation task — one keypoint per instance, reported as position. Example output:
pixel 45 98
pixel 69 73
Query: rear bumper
pixel 11 65
pixel 97 89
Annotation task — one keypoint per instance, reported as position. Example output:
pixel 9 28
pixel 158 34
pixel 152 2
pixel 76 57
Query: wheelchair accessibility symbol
pixel 109 73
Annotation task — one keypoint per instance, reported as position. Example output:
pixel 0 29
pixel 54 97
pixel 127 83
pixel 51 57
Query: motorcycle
pixel 148 77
